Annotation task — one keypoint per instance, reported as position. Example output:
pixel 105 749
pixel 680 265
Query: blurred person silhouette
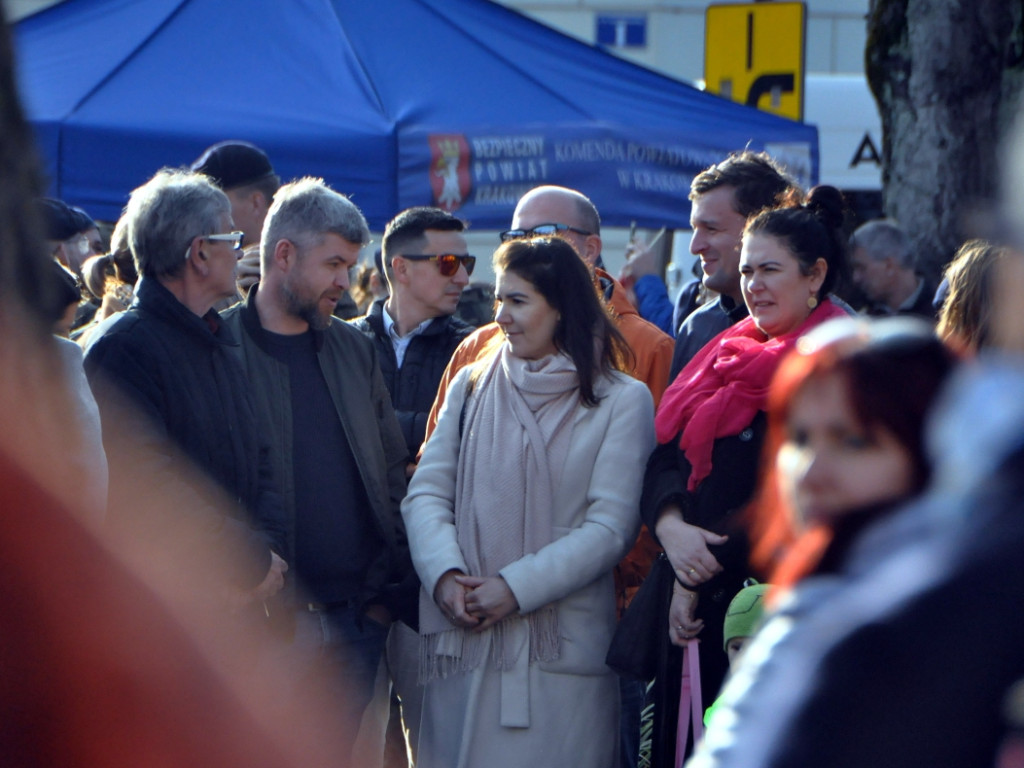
pixel 846 451
pixel 711 426
pixel 523 502
pixel 172 397
pixel 66 300
pixel 369 283
pixel 847 414
pixel 360 290
pixel 85 458
pixel 248 269
pixel 335 445
pixel 884 269
pixel 62 228
pixel 965 317
pixel 101 665
pixel 88 227
pixel 476 305
pixel 111 277
pixel 652 301
pixel 644 267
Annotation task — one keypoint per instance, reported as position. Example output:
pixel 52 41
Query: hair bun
pixel 827 205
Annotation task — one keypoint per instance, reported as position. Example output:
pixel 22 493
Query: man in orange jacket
pixel 572 216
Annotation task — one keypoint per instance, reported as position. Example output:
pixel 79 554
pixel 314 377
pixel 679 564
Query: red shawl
pixel 723 387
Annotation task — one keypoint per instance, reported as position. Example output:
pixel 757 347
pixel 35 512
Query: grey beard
pixel 306 310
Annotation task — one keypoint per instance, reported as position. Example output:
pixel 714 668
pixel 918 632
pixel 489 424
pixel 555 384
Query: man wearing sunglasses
pixel 569 214
pixel 561 212
pixel 334 443
pixel 174 404
pixel 426 265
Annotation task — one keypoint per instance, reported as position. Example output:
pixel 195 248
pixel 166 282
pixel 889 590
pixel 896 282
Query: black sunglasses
pixel 447 263
pixel 540 229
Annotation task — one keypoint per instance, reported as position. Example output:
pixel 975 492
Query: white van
pixel 849 138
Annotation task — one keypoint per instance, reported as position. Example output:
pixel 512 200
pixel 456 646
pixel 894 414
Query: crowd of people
pixel 470 516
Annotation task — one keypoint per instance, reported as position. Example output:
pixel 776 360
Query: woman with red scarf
pixel 710 425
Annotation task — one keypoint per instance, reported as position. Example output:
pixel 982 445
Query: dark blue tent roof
pixel 460 103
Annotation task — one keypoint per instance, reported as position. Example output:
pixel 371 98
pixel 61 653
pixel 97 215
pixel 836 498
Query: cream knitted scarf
pixel 515 437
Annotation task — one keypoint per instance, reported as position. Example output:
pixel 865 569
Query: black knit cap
pixel 59 221
pixel 232 164
pixel 83 220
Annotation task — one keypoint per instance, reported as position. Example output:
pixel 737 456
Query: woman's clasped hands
pixel 474 602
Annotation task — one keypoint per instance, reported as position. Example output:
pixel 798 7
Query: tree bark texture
pixel 947 76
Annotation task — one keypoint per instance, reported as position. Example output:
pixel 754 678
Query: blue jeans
pixel 346 657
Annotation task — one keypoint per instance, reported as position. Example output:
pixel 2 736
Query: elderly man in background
pixel 884 269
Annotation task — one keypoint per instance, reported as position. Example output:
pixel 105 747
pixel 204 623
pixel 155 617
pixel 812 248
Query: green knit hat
pixel 745 611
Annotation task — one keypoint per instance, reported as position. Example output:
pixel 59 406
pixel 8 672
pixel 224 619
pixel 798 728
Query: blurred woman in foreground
pixel 847 415
pixel 846 438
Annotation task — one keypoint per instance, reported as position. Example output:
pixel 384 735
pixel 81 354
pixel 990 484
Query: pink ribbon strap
pixel 689 701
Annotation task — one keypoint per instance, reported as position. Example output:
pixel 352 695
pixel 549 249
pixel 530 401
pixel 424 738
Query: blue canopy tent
pixel 458 103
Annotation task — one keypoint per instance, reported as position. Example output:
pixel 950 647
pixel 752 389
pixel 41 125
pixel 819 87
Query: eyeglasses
pixel 447 263
pixel 541 229
pixel 228 237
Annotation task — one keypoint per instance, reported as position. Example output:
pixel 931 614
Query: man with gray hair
pixel 173 401
pixel 882 260
pixel 335 441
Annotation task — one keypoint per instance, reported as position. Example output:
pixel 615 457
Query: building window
pixel 622 31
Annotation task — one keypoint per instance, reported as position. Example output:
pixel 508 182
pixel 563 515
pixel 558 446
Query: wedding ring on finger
pixel 692 571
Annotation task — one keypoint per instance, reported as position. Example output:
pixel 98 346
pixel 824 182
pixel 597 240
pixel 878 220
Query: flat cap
pixel 231 164
pixel 59 221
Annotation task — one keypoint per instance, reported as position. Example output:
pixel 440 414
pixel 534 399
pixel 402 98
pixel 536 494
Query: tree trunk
pixel 946 75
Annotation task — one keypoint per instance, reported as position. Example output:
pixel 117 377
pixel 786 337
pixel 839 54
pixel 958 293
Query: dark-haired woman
pixel 523 502
pixel 710 427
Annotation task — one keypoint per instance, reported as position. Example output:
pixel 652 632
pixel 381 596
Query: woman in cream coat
pixel 525 499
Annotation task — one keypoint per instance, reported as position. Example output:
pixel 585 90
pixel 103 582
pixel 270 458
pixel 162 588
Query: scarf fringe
pixel 457 651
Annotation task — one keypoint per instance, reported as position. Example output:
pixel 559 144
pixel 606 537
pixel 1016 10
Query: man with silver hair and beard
pixel 335 442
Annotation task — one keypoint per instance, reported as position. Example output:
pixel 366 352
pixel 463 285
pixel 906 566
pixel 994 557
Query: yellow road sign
pixel 754 54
